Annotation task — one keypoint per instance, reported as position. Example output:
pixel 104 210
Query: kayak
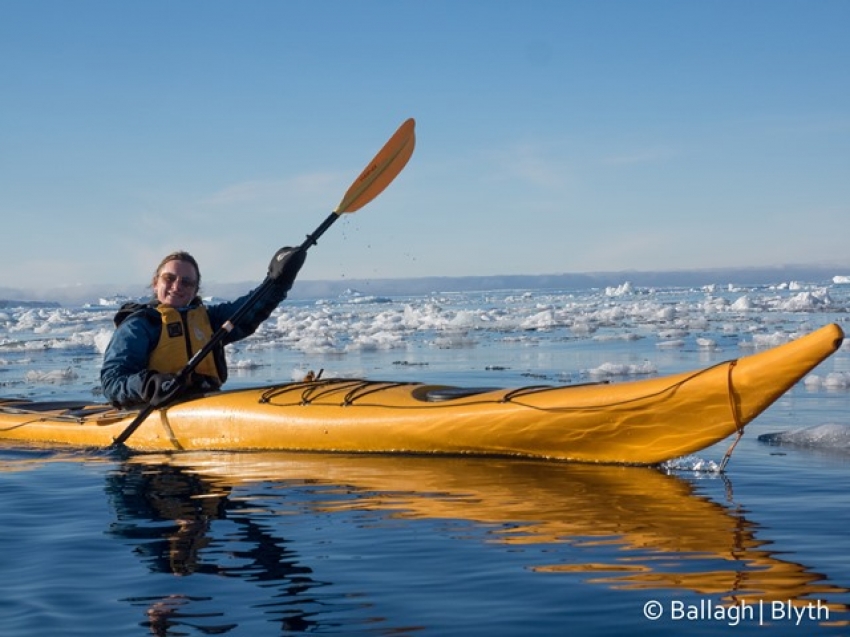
pixel 640 422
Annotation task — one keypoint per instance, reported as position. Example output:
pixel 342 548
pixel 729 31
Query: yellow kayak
pixel 639 422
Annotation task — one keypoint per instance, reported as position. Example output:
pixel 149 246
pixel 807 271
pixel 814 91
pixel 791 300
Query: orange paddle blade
pixel 380 172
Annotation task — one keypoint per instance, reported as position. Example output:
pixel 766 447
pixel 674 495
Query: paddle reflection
pixel 627 528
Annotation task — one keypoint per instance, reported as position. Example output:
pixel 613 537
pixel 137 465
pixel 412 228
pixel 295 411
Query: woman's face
pixel 176 284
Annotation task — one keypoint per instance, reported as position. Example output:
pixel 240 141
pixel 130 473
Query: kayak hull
pixel 639 422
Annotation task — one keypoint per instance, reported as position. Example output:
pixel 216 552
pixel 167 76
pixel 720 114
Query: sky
pixel 553 137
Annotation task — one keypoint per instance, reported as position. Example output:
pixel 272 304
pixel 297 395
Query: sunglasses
pixel 170 279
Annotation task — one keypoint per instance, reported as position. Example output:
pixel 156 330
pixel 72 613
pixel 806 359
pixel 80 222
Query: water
pixel 278 544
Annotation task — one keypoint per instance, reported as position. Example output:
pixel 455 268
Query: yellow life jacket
pixel 183 334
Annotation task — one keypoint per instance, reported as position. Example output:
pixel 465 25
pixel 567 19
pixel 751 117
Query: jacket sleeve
pixel 125 362
pixel 252 320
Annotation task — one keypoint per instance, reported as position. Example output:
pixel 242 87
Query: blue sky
pixel 552 137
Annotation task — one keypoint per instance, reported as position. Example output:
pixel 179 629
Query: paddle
pixel 380 172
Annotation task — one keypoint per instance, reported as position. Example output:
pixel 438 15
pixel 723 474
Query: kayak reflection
pixel 628 527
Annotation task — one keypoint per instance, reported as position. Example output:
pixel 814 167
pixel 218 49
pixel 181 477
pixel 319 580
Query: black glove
pixel 285 265
pixel 160 389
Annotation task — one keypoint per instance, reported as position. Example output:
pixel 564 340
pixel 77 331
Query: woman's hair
pixel 179 255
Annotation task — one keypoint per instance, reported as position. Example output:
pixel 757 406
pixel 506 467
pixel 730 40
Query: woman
pixel 154 341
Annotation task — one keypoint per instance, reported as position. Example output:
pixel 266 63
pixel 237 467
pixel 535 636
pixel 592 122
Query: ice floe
pixel 828 436
pixel 553 335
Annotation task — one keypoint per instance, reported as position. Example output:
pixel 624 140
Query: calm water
pixel 278 544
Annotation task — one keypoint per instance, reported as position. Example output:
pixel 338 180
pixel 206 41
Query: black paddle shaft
pixel 312 239
pixel 184 373
pixel 220 333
